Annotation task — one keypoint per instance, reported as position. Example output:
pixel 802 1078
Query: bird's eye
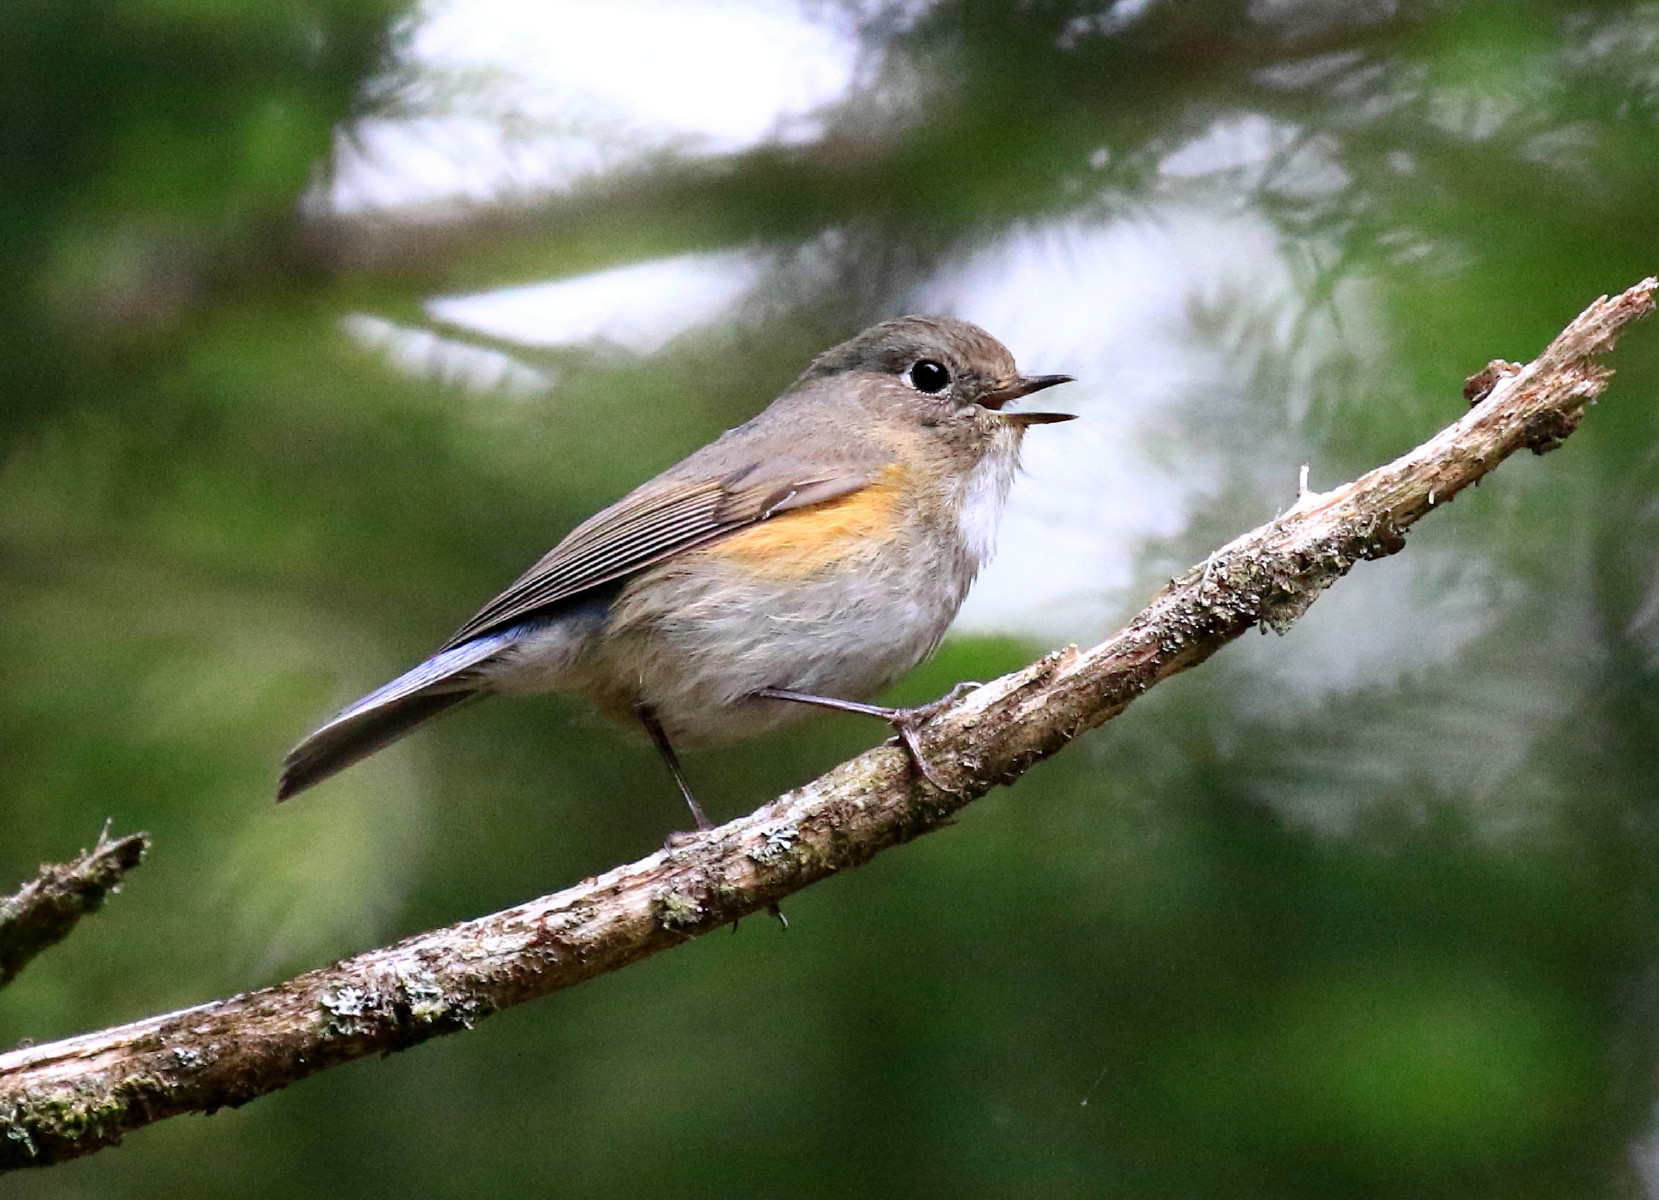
pixel 929 376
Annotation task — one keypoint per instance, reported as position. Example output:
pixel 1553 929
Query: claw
pixel 681 837
pixel 907 721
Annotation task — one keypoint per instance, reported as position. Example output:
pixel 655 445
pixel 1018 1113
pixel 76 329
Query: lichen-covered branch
pixel 43 912
pixel 69 1098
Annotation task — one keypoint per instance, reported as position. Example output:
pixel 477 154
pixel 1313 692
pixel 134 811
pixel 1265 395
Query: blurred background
pixel 323 319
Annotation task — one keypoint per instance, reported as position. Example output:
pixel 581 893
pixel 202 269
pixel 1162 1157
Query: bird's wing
pixel 661 519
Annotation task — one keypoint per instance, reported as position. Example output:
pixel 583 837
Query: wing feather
pixel 665 517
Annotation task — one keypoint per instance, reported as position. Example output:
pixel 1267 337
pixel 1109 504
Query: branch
pixel 69 1098
pixel 43 912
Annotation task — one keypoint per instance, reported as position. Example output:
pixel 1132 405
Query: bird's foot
pixel 679 838
pixel 926 712
pixel 906 722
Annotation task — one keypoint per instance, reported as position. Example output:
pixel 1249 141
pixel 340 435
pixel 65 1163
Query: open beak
pixel 1024 385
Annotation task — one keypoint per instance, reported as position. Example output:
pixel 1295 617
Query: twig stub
pixel 45 909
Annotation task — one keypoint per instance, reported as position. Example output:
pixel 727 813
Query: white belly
pixel 699 666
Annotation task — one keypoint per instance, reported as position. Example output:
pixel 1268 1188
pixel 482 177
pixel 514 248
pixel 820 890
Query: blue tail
pixel 382 717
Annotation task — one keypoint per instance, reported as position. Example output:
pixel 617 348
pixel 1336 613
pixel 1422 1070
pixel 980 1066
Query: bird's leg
pixel 659 739
pixel 905 721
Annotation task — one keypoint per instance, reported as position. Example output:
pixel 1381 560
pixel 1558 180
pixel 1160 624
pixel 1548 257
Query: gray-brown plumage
pixel 819 550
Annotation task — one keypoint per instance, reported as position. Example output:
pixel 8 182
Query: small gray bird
pixel 808 557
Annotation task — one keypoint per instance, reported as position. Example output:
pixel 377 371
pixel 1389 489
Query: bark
pixel 43 912
pixel 72 1097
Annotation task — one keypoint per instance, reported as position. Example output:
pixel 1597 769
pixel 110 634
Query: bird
pixel 803 560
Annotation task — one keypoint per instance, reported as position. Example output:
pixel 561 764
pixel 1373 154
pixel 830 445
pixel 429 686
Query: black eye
pixel 929 376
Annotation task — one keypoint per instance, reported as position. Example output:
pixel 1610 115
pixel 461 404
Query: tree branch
pixel 72 1097
pixel 43 912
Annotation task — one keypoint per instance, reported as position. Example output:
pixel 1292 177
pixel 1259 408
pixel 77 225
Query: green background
pixel 1369 910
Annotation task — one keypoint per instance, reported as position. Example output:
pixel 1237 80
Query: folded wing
pixel 665 517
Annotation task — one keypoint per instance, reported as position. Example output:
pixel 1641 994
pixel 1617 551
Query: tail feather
pixel 437 685
pixel 340 743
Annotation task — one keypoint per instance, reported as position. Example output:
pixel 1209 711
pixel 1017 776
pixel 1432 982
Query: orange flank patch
pixel 798 543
